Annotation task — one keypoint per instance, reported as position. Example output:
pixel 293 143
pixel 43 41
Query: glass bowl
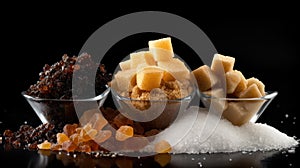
pixel 160 113
pixel 239 110
pixel 62 111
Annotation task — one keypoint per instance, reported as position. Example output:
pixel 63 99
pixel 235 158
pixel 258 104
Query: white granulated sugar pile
pixel 230 138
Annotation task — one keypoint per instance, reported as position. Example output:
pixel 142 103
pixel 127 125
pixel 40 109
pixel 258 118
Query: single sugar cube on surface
pixel 149 78
pixel 232 81
pixel 162 49
pixel 220 62
pixel 141 57
pixel 259 84
pixel 205 77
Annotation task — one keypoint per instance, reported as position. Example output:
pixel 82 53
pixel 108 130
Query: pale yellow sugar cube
pixel 233 78
pixel 239 113
pixel 176 68
pixel 125 65
pixel 164 43
pixel 162 49
pixel 259 84
pixel 168 76
pixel 251 92
pixel 141 57
pixel 125 80
pixel 205 77
pixel 141 66
pixel 149 78
pixel 242 85
pixel 222 63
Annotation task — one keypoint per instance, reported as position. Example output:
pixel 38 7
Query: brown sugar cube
pixel 251 92
pixel 242 85
pixel 259 84
pixel 141 57
pixel 239 113
pixel 162 49
pixel 232 81
pixel 149 78
pixel 220 61
pixel 205 77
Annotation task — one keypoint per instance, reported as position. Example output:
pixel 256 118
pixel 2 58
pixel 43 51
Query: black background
pixel 265 46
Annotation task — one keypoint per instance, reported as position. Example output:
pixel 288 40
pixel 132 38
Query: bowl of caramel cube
pixel 225 89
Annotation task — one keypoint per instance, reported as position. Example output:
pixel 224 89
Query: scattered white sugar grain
pixel 229 138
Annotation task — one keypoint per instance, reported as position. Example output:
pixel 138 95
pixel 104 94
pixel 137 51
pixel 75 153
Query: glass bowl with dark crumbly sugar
pixel 68 88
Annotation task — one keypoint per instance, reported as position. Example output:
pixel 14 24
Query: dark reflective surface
pixel 44 158
pixel 264 47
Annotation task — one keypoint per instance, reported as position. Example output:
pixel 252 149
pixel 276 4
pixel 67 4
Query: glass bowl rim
pixel 268 95
pixel 99 97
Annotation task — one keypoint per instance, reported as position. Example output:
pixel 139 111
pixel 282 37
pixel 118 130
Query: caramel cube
pixel 222 63
pixel 259 84
pixel 239 113
pixel 233 79
pixel 251 92
pixel 242 85
pixel 205 77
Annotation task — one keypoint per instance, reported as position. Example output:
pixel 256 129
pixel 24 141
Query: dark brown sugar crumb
pixel 55 81
pixel 28 137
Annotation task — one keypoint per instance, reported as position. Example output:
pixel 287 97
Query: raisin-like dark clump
pixel 55 81
pixel 29 137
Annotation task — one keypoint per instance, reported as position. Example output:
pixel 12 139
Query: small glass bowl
pixel 160 113
pixel 62 111
pixel 239 110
